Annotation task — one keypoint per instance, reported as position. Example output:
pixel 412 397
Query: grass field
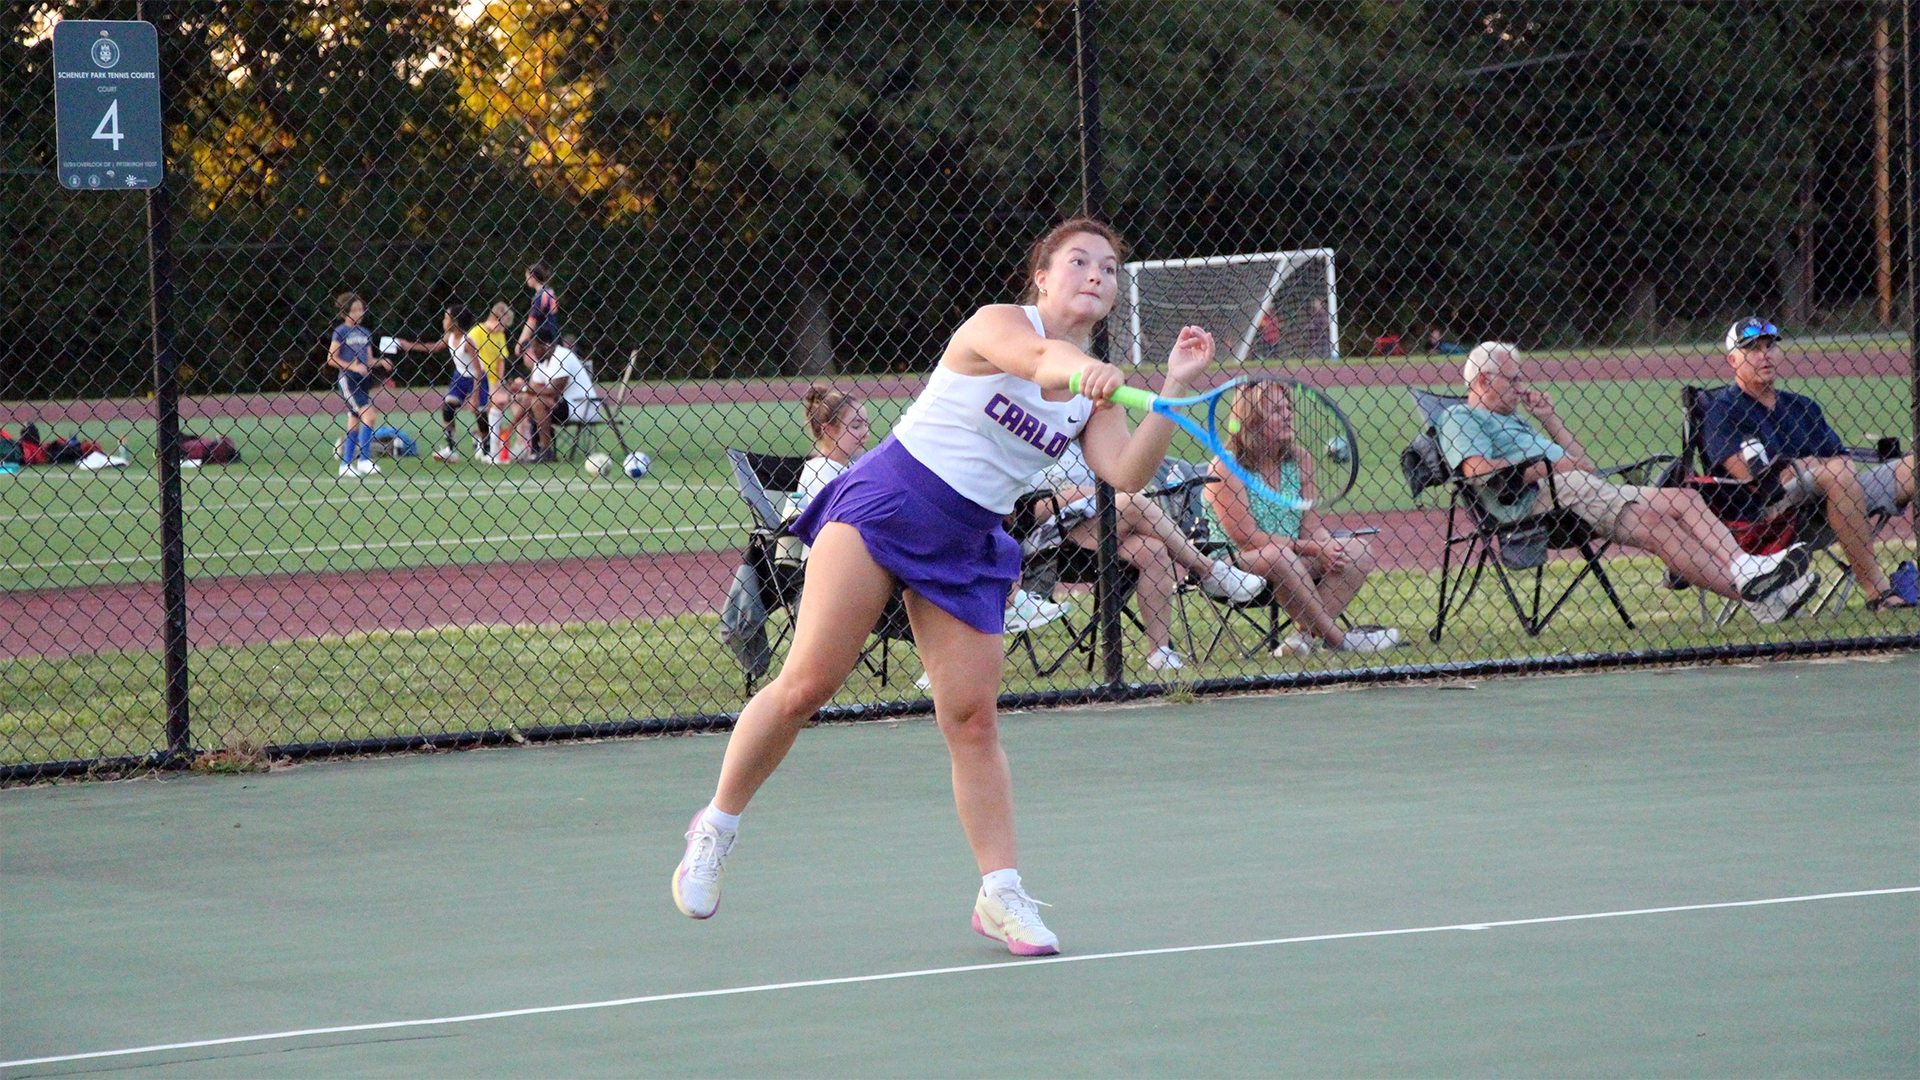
pixel 498 677
pixel 282 509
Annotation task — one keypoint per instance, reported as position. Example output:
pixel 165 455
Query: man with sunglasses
pixel 1781 443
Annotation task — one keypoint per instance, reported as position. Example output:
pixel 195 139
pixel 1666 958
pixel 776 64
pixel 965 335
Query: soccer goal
pixel 1270 305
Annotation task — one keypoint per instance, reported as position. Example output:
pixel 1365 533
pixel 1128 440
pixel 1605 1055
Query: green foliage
pixel 730 189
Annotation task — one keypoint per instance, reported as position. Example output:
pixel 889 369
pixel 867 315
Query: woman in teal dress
pixel 1313 573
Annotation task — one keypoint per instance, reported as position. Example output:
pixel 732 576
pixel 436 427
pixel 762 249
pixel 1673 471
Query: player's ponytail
pixel 824 405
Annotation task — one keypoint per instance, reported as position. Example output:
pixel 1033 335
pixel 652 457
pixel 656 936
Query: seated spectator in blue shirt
pixel 1781 441
pixel 1484 436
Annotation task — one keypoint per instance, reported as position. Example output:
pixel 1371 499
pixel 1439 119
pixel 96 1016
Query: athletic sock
pixel 720 819
pixel 1000 879
pixel 366 442
pixel 451 449
pixel 493 432
pixel 349 446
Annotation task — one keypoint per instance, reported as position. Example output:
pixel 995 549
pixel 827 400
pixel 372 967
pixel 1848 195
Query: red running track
pixel 280 607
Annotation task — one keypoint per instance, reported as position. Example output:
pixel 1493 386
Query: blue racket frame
pixel 1146 401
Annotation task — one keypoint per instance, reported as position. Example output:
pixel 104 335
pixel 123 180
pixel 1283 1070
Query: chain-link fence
pixel 412 520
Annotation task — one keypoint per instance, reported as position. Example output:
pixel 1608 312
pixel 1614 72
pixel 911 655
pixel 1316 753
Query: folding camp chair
pixel 1181 491
pixel 585 432
pixel 1737 504
pixel 1512 548
pixel 768 580
pixel 1058 562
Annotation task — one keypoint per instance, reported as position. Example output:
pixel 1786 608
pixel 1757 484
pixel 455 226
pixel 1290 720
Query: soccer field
pixel 281 509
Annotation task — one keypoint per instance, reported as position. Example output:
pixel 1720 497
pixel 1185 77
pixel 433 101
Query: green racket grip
pixel 1130 396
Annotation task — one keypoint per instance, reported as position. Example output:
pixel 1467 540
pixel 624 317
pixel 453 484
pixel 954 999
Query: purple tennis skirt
pixel 939 543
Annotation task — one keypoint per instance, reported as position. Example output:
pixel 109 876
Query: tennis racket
pixel 1319 429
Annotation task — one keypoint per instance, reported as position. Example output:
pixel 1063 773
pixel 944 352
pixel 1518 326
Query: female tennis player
pixel 1314 574
pixel 924 507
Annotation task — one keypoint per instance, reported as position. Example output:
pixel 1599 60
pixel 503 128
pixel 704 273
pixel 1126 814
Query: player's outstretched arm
pixel 999 338
pixel 1127 460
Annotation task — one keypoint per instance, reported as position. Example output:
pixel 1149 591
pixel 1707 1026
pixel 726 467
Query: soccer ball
pixel 595 464
pixel 637 464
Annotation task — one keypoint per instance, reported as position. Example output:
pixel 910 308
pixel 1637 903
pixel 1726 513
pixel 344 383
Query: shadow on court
pixel 184 909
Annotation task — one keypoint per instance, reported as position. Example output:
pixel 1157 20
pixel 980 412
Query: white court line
pixel 998 965
pixel 455 541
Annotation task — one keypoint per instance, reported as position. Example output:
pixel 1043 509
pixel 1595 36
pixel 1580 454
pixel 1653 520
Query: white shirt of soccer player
pixel 991 462
pixel 579 392
pixel 466 359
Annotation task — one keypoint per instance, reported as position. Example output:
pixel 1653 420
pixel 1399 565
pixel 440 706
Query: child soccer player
pixel 490 338
pixel 468 389
pixel 351 352
pixel 544 313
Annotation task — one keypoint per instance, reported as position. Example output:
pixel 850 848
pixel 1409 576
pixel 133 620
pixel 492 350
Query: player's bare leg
pixel 841 601
pixel 965 667
pixel 844 593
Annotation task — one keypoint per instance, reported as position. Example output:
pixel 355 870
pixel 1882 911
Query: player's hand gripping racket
pixel 1283 408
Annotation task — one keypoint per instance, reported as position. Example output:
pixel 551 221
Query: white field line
pixel 996 966
pixel 357 499
pixel 454 541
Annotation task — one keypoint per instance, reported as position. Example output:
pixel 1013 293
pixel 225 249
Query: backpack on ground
pixel 208 449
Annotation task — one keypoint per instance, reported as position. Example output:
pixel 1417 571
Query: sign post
pixel 111 137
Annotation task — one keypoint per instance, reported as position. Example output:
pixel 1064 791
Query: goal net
pixel 1272 305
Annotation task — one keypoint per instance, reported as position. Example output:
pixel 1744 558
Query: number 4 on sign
pixel 109 127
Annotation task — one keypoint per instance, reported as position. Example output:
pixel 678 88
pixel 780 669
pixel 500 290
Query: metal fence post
pixel 1912 21
pixel 1092 198
pixel 166 403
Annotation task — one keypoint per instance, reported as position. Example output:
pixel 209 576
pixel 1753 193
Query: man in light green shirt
pixel 1486 435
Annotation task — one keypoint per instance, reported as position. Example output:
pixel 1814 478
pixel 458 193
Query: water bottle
pixel 1754 453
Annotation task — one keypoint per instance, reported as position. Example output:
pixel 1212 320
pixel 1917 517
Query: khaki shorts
pixel 1593 500
pixel 1798 487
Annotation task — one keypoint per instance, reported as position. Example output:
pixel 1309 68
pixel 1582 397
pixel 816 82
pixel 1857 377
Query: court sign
pixel 106 104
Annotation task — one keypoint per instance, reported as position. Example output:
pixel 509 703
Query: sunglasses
pixel 1765 330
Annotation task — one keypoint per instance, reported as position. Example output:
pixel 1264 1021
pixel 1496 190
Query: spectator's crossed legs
pixel 1846 492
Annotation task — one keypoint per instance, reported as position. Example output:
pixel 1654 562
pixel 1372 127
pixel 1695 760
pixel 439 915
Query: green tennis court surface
pixel 362 893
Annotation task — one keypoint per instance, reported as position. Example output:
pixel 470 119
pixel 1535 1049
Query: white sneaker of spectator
pixel 1785 602
pixel 446 453
pixel 1369 639
pixel 1165 659
pixel 1232 584
pixel 1298 646
pixel 1027 611
pixel 1759 576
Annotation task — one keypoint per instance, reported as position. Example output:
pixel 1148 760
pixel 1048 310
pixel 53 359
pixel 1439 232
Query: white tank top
pixel 986 435
pixel 463 355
